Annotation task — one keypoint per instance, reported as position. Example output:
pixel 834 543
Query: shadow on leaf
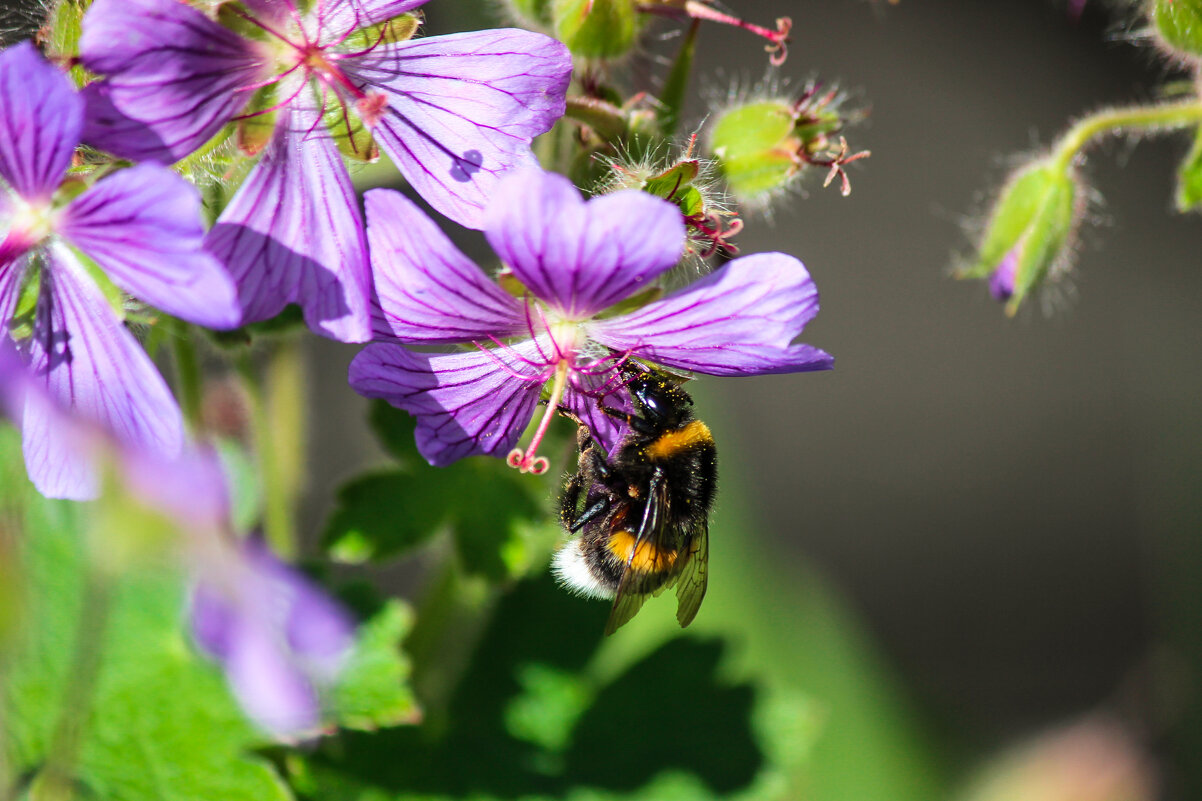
pixel 527 721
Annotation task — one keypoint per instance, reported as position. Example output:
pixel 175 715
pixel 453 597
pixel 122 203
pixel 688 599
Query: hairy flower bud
pixel 1030 233
pixel 763 145
pixel 1177 26
pixel 604 29
pixel 688 182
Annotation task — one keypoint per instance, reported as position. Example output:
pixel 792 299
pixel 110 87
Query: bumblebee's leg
pixel 596 510
pixel 634 421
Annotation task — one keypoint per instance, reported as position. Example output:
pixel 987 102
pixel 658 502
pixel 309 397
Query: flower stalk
pixel 1164 117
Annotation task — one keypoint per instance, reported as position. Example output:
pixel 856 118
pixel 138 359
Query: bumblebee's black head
pixel 658 400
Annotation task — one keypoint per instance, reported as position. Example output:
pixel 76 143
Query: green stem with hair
pixel 1162 117
pixel 188 379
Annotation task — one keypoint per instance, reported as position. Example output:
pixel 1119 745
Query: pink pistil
pixel 526 461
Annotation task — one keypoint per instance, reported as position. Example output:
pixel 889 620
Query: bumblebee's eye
pixel 651 403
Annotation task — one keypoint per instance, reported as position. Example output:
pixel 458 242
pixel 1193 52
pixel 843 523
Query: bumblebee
pixel 642 513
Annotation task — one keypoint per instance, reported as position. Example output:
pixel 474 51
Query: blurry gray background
pixel 1012 505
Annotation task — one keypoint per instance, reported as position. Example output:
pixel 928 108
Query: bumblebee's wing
pixel 694 575
pixel 655 554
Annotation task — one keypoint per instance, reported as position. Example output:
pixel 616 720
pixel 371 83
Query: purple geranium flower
pixel 140 225
pixel 454 113
pixel 276 635
pixel 576 260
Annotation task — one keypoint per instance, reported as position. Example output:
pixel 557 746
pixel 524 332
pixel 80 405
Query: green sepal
pixel 756 147
pixel 604 29
pixel 676 185
pixel 112 293
pixel 233 16
pixel 398 29
pixel 1189 177
pixel 351 134
pixel 1045 240
pixel 511 283
pixel 747 130
pixel 60 35
pixel 20 326
pixel 254 130
pixel 1178 24
pixel 1020 200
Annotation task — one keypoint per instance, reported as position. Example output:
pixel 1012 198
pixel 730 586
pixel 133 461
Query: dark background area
pixel 1012 505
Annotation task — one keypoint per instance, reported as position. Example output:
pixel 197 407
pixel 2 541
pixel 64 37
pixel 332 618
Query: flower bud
pixel 1177 26
pixel 532 14
pixel 1029 236
pixel 763 145
pixel 687 182
pixel 604 29
pixel 1189 177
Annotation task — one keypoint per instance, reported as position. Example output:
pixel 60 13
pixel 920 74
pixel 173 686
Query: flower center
pixel 29 224
pixel 563 335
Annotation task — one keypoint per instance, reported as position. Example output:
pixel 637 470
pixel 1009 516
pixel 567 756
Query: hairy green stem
pixel 57 780
pixel 188 379
pixel 277 418
pixel 1163 117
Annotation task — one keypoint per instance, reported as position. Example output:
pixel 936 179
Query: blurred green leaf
pixel 394 429
pixel 1189 177
pixel 159 724
pixel 492 512
pixel 382 515
pixel 373 689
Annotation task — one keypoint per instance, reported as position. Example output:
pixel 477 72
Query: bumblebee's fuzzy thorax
pixel 642 513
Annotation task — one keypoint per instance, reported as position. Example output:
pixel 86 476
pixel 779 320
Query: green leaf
pixel 489 509
pixel 596 28
pixel 158 723
pixel 1178 23
pixel 1189 177
pixel 373 689
pixel 676 85
pixel 379 516
pixel 394 429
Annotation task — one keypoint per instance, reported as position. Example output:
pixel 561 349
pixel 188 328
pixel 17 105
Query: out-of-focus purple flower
pixel 141 226
pixel 576 260
pixel 1001 280
pixel 278 638
pixel 454 113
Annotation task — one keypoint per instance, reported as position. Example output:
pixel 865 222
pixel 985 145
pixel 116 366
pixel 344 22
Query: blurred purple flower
pixel 278 638
pixel 141 225
pixel 576 260
pixel 454 113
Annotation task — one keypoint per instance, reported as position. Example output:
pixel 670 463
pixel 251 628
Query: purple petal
pixel 173 77
pixel 94 368
pixel 427 289
pixel 739 320
pixel 1001 281
pixel 319 631
pixel 272 690
pixel 142 225
pixel 277 635
pixel 465 403
pixel 339 17
pixel 581 257
pixel 40 120
pixel 583 398
pixel 294 234
pixel 189 489
pixel 214 620
pixel 463 108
